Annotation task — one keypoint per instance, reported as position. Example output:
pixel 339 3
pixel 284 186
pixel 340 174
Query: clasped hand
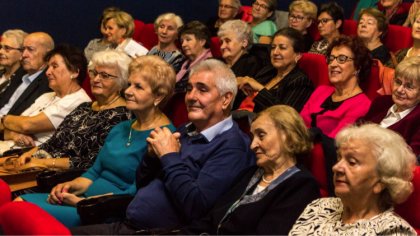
pixel 162 141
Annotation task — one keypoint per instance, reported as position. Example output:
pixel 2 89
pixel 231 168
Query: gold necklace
pixel 101 108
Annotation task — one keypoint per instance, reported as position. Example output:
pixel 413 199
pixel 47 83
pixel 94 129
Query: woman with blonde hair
pixel 302 14
pixel 373 172
pixel 167 26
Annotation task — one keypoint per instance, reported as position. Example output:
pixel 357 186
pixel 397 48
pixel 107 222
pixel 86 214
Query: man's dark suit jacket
pixel 38 87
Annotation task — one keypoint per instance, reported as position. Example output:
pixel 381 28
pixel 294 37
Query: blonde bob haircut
pixel 169 17
pixel 158 73
pixel 123 20
pixel 307 7
pixel 395 159
pixel 409 69
pixel 288 121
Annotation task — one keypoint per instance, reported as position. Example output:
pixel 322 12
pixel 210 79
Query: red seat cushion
pixel 24 218
pixel 5 194
pixel 410 209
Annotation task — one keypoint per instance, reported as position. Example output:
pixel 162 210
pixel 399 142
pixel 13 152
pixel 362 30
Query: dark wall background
pixel 76 21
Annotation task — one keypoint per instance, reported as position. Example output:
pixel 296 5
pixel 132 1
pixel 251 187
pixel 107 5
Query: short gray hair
pixel 115 59
pixel 225 78
pixel 236 3
pixel 170 17
pixel 395 159
pixel 409 69
pixel 17 34
pixel 241 29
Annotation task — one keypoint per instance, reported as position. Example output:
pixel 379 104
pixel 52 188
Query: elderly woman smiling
pixel 372 174
pixel 401 111
pixel 167 26
pixel 236 40
pixel 228 10
pixel 268 198
pixel 82 133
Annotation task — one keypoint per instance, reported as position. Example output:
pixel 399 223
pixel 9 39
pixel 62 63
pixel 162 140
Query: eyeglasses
pixel 226 6
pixel 256 4
pixel 407 86
pixel 9 48
pixel 324 21
pixel 341 59
pixel 296 18
pixel 102 75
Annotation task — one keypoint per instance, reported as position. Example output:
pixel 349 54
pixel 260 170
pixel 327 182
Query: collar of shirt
pixel 212 131
pixel 30 78
pixel 392 112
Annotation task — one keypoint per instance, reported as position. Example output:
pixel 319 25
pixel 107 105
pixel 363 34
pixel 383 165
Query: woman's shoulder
pixel 390 223
pixel 265 26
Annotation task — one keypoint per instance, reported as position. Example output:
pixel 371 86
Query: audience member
pixel 400 111
pixel 228 10
pixel 198 164
pixel 22 92
pixel 10 55
pixel 263 26
pixel 330 108
pixel 167 26
pixel 195 43
pixel 373 173
pixel 414 8
pixel 362 4
pixel 66 72
pixel 78 139
pixel 268 198
pixel 151 82
pixel 330 24
pixel 394 11
pixel 119 28
pixel 414 51
pixel 100 44
pixel 286 84
pixel 302 14
pixel 372 28
pixel 236 40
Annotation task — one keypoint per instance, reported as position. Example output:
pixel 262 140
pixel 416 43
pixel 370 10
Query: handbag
pixel 10 166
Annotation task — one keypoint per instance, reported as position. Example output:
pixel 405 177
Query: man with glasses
pixel 23 91
pixel 228 10
pixel 10 55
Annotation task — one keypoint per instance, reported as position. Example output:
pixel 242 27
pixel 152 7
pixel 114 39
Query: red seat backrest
pixel 371 85
pixel 176 110
pixel 5 194
pixel 315 67
pixel 215 47
pixel 316 164
pixel 398 37
pixel 138 27
pixel 350 27
pixel 24 218
pixel 410 209
pixel 147 36
pixel 87 88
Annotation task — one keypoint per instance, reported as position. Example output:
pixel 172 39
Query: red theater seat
pixel 410 209
pixel 5 194
pixel 315 67
pixel 398 37
pixel 215 47
pixel 24 218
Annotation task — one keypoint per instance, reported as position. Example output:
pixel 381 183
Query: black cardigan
pixel 274 214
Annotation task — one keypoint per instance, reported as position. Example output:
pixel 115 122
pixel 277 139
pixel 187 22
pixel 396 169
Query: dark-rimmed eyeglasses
pixel 341 59
pixel 324 21
pixel 102 75
pixel 260 5
pixel 296 18
pixel 407 85
pixel 8 48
